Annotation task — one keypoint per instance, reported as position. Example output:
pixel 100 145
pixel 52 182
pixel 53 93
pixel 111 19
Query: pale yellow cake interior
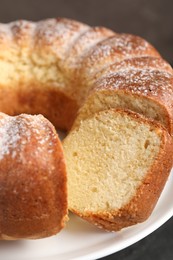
pixel 107 159
pixel 30 66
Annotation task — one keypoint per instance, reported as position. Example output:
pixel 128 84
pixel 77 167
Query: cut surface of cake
pixel 115 163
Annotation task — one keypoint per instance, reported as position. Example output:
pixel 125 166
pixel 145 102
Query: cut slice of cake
pixel 117 164
pixel 145 91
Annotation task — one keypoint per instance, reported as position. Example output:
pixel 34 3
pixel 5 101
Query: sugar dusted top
pixel 149 82
pixel 18 133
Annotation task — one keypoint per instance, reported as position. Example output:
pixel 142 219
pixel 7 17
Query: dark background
pixel 151 19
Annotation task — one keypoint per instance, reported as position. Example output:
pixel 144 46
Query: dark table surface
pixel 151 19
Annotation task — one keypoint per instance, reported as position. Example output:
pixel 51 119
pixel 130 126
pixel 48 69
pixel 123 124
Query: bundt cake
pixel 80 77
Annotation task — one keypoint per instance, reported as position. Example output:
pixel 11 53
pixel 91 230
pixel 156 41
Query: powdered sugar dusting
pixel 5 33
pixel 85 42
pixel 9 136
pixel 51 29
pixel 115 49
pixel 22 28
pixel 128 43
pixel 17 133
pixel 58 34
pixel 124 45
pixel 147 62
pixel 144 81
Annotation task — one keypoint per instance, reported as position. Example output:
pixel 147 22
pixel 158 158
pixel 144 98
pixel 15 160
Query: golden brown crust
pixel 33 200
pixel 152 85
pixel 34 99
pixel 140 63
pixel 87 40
pixel 143 202
pixel 116 48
